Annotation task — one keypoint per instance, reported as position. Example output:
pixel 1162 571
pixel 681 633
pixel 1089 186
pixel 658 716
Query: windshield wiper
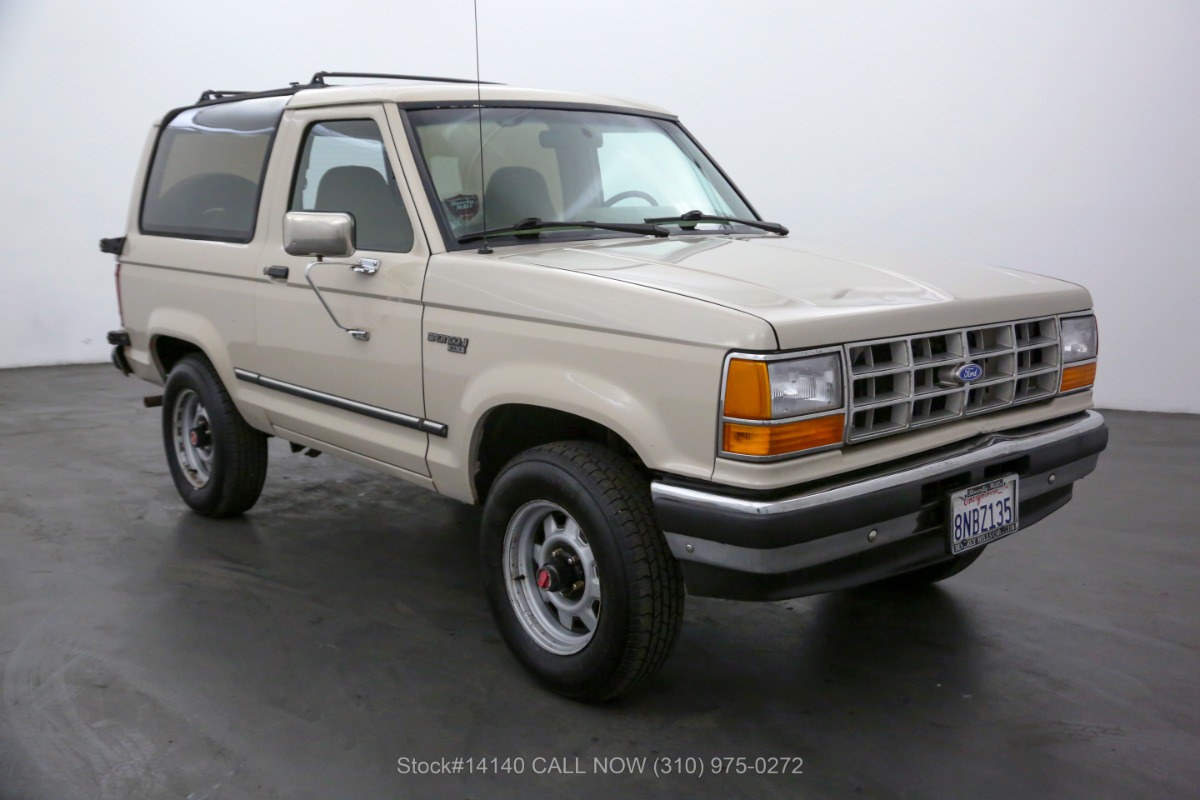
pixel 697 216
pixel 532 226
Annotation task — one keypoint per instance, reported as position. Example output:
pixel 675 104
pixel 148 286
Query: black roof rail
pixel 319 78
pixel 219 94
pixel 213 96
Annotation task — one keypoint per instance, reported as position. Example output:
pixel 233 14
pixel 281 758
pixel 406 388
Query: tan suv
pixel 559 306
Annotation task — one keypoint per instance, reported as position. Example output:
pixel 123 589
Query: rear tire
pixel 218 462
pixel 580 580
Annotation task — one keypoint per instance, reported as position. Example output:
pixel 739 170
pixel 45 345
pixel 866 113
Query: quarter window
pixel 207 171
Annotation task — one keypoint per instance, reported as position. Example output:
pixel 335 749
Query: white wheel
pixel 552 577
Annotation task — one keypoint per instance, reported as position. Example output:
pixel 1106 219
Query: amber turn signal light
pixel 747 390
pixel 778 440
pixel 1078 377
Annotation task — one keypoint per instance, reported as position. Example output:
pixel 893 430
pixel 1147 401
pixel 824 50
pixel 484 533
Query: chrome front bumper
pixel 884 523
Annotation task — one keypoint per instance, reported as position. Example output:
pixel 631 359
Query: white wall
pixel 1060 136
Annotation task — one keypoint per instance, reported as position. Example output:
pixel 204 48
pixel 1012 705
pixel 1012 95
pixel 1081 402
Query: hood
pixel 814 294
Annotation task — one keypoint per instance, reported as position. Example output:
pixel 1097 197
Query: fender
pixel 574 390
pixel 199 330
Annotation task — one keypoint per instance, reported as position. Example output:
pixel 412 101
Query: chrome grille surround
pixel 907 382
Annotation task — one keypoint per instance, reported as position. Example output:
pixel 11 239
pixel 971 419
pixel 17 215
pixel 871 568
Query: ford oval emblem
pixel 969 372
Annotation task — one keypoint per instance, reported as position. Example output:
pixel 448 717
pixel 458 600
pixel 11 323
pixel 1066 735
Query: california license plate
pixel 982 514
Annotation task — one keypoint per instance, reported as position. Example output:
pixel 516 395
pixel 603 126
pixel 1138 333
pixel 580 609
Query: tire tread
pixel 657 595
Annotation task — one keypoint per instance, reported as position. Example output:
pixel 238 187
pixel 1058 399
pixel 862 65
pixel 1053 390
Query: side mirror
pixel 311 233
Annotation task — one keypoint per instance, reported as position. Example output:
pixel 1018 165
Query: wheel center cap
pixel 560 573
pixel 545 580
pixel 199 437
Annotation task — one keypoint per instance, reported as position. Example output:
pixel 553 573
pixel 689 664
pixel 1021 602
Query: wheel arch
pixel 168 350
pixel 511 428
pixel 175 333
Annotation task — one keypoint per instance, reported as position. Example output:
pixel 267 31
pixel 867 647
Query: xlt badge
pixel 455 344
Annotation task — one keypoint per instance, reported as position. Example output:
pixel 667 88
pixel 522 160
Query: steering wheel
pixel 616 198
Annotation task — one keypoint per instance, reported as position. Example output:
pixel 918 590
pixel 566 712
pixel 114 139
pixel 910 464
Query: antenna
pixel 483 249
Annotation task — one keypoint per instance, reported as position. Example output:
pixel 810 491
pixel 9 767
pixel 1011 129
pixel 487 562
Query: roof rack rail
pixel 213 96
pixel 220 94
pixel 319 78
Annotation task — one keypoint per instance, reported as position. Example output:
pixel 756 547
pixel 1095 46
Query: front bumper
pixel 866 527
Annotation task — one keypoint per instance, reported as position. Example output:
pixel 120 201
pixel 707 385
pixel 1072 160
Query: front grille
pixel 905 383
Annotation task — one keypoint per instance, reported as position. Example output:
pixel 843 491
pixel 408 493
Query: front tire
pixel 579 578
pixel 218 462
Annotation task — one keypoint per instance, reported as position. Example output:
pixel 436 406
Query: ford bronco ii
pixel 558 306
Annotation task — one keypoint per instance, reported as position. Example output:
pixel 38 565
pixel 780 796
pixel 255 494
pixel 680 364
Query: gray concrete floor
pixel 300 651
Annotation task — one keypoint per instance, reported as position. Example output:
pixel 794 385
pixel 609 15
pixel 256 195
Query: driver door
pixel 320 385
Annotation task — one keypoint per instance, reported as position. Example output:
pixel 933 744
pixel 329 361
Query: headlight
pixel 805 386
pixel 759 392
pixel 1080 343
pixel 1079 339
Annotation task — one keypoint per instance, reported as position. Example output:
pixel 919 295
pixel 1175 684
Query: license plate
pixel 982 514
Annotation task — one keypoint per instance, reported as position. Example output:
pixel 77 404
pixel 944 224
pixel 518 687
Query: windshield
pixel 566 165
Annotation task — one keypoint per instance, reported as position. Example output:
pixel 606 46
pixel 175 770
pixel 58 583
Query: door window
pixel 344 167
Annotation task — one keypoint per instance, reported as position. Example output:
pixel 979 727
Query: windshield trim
pixel 425 105
pixel 451 243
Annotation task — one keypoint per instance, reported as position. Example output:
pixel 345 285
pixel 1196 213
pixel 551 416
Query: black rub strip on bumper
pixel 818 540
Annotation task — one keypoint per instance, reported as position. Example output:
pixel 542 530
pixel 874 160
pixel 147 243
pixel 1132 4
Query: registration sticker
pixel 982 514
pixel 463 206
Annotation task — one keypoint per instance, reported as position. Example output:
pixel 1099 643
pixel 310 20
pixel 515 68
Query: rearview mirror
pixel 311 233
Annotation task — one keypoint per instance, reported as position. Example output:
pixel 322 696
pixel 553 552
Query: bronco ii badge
pixel 455 344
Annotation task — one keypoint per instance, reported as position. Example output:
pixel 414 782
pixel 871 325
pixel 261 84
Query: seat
pixel 514 194
pixel 380 221
pixel 214 203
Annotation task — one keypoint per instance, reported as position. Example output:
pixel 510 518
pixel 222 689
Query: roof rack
pixel 318 82
pixel 213 96
pixel 319 78
pixel 220 94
